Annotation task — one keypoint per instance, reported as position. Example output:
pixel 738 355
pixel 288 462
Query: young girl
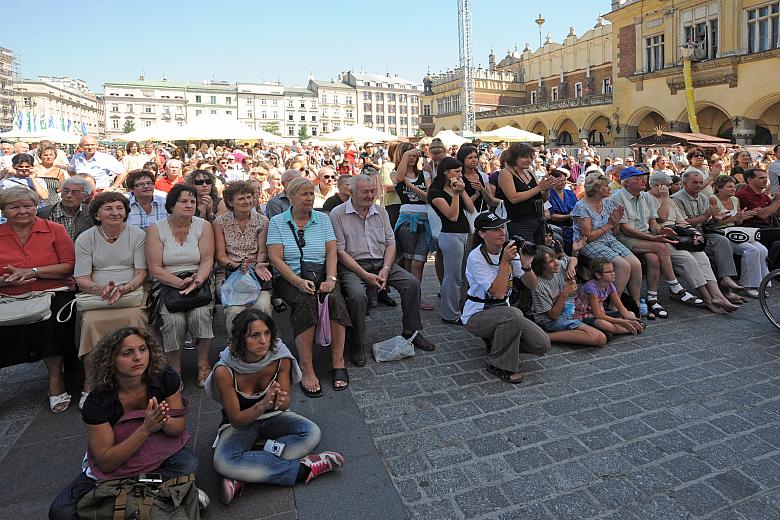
pixel 589 303
pixel 252 382
pixel 556 283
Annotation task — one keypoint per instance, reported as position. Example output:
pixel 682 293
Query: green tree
pixel 420 133
pixel 129 126
pixel 272 127
pixel 303 134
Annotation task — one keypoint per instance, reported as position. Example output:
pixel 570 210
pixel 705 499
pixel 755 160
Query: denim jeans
pixel 183 462
pixel 236 456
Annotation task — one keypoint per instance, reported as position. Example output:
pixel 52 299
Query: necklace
pixel 110 239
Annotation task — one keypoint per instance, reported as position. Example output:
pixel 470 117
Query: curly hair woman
pixel 252 382
pixel 134 417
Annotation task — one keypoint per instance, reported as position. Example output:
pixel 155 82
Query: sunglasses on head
pixel 201 182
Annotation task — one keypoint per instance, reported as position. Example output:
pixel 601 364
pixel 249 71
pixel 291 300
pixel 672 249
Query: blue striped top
pixel 316 233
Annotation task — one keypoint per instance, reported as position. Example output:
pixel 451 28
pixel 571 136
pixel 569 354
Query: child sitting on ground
pixel 556 283
pixel 589 303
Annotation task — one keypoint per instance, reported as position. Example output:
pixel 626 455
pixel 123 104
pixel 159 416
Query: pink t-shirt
pixel 582 308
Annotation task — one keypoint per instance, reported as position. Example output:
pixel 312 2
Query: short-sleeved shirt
pixel 107 262
pixel 49 244
pixel 331 202
pixel 639 210
pixel 480 274
pixel 562 207
pixel 691 206
pixel 388 197
pixel 241 244
pixel 582 308
pixel 317 232
pixel 106 407
pixel 362 239
pixel 102 167
pixel 597 220
pixel 164 184
pixel 448 226
pixel 140 218
pixel 547 291
pixel 749 199
pixel 774 176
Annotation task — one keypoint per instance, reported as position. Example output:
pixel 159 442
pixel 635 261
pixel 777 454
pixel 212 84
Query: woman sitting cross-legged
pixel 589 303
pixel 252 382
pixel 557 281
pixel 134 416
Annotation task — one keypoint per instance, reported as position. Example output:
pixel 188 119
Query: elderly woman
pixel 180 255
pixel 50 173
pixel 110 264
pixel 132 383
pixel 302 248
pixel 204 183
pixel 36 255
pixel 595 218
pixel 239 243
pixel 693 266
pixel 23 175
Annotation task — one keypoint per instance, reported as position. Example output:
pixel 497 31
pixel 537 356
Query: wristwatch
pixel 333 278
pixel 35 271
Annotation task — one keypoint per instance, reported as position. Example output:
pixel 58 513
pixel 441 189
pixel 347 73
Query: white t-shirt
pixel 480 275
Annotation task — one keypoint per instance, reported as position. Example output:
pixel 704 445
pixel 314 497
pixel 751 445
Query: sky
pixel 281 40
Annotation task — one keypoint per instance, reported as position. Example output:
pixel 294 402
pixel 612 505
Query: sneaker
pixel 229 489
pixel 320 463
pixel 203 500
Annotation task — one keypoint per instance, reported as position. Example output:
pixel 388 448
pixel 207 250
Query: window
pixel 147 109
pixel 390 120
pixel 290 103
pixel 198 99
pixel 578 90
pixel 228 112
pixel 248 101
pixel 213 112
pixel 554 93
pixel 114 107
pixel 367 119
pixel 324 128
pixel 313 117
pixel 391 109
pixel 705 35
pixel 148 122
pixel 380 119
pixel 336 112
pixel 391 97
pixel 403 108
pixel 303 117
pixel 115 124
pixel 414 122
pixel 276 114
pixel 763 27
pixel 213 100
pixel 379 96
pixel 179 109
pixel 426 110
pixel 290 117
pixel 654 53
pixel 349 100
pixel 166 109
pixel 533 97
pixel 366 96
pixel 336 98
pixel 199 112
pixel 313 104
pixel 380 108
pixel 129 109
pixel 415 100
pixel 274 102
pixel 349 113
pixel 381 128
pixel 367 107
pixel 228 100
pixel 336 127
pixel 404 132
pixel 249 114
pixel 263 115
pixel 313 130
pixel 414 110
pixel 324 98
pixel 303 104
pixel 290 130
pixel 402 98
pixel 263 101
pixel 324 112
pixel 404 121
pixel 606 86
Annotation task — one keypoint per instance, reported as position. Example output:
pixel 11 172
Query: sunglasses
pixel 201 182
pixel 328 176
pixel 301 239
pixel 698 155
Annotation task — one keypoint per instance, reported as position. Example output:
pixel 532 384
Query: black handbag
pixel 311 271
pixel 685 239
pixel 176 302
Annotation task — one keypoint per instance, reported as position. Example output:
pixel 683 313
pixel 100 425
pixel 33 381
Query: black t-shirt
pixel 479 202
pixel 448 226
pixel 105 407
pixel 407 194
pixel 331 202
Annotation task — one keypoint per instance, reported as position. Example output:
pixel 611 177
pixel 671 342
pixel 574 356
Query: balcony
pixel 548 106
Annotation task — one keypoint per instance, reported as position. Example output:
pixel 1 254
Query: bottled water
pixel 643 308
pixel 568 308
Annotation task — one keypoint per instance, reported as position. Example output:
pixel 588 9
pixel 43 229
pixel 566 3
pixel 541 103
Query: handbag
pixel 25 309
pixel 240 288
pixel 311 271
pixel 742 235
pixel 176 302
pixel 686 239
pixel 322 336
pixel 90 302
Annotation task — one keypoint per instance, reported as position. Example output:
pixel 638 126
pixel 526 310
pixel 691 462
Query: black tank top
pixel 409 196
pixel 246 401
pixel 527 208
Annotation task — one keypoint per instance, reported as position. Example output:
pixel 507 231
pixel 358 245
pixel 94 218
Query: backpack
pixel 127 498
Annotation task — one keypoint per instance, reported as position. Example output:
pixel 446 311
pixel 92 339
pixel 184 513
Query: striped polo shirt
pixel 316 233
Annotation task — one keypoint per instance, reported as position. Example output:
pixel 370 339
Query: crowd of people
pixel 131 247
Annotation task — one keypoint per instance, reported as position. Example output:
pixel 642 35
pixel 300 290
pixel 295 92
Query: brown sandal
pixel 203 374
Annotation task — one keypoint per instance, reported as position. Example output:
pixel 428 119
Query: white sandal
pixel 59 403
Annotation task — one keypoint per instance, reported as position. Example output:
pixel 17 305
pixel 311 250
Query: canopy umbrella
pixel 161 131
pixel 52 134
pixel 359 134
pixel 511 134
pixel 450 138
pixel 219 128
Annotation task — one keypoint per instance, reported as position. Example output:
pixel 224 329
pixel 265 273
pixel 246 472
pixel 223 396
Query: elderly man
pixel 366 250
pixel 326 186
pixel 698 211
pixel 101 166
pixel 71 211
pixel 8 152
pixel 280 203
pixel 641 234
pixel 146 208
pixel 172 176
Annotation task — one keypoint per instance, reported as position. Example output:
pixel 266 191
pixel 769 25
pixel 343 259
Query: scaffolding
pixel 9 74
pixel 468 118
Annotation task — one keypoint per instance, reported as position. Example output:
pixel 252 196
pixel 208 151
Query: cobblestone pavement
pixel 680 422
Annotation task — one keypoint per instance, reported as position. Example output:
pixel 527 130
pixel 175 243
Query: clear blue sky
pixel 100 41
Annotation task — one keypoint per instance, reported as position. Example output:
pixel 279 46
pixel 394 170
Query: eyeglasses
pixel 301 240
pixel 23 168
pixel 143 185
pixel 222 162
pixel 201 182
pixel 67 191
pixel 328 176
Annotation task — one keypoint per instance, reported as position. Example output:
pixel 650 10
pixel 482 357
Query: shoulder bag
pixel 25 309
pixel 311 271
pixel 176 302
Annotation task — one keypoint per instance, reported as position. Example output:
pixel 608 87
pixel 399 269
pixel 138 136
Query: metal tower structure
pixel 468 119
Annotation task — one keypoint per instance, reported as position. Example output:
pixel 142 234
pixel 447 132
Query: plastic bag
pixel 322 336
pixel 240 288
pixel 394 349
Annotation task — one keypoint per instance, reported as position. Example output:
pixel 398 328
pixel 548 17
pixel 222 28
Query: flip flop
pixel 503 375
pixel 309 393
pixel 425 306
pixel 59 403
pixel 340 375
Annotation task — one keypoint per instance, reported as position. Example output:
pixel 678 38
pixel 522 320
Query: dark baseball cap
pixel 488 220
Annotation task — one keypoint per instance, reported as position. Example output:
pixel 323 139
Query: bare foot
pixel 310 382
pixel 715 309
pixel 725 304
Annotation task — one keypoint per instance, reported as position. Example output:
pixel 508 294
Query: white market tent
pixel 359 134
pixel 54 135
pixel 450 138
pixel 204 128
pixel 156 132
pixel 512 135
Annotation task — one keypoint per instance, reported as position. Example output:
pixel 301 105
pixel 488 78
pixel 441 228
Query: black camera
pixel 524 246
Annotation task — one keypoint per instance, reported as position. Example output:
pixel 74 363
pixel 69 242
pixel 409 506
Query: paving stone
pixel 672 442
pixel 563 449
pixel 574 506
pixel 593 418
pixel 699 499
pixel 568 476
pixel 441 509
pixel 534 512
pixel 403 466
pixel 764 471
pixel 490 445
pixel 441 483
pixel 528 459
pixel 734 485
pixel 641 452
pixel 448 456
pixel 631 429
pixel 528 488
pixel 687 467
pixel 598 439
pixel 480 501
pixel 653 479
pixel 703 433
pixel 615 493
pixel 606 463
pixel 525 436
pixel 660 507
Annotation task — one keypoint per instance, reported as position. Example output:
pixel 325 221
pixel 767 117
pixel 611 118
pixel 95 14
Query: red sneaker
pixel 323 462
pixel 229 489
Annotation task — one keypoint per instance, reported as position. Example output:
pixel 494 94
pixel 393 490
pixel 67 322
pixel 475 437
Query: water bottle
pixel 643 308
pixel 568 308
